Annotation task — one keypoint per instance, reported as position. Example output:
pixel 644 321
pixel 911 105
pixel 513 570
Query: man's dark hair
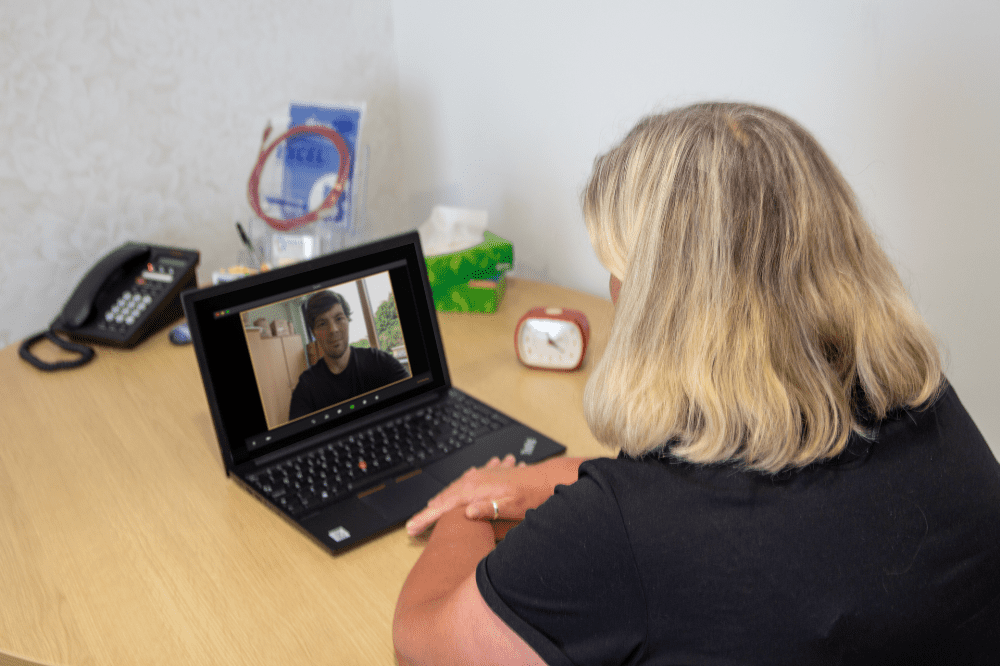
pixel 321 302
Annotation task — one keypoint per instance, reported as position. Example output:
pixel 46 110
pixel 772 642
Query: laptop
pixel 330 394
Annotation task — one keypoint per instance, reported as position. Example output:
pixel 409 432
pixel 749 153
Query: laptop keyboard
pixel 324 474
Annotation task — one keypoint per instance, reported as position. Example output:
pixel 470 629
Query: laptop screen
pixel 299 351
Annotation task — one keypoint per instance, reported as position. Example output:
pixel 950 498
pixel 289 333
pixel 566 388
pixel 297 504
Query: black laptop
pixel 344 452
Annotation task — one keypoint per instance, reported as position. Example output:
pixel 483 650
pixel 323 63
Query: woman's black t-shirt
pixel 888 554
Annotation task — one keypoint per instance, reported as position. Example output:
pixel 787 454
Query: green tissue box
pixel 472 280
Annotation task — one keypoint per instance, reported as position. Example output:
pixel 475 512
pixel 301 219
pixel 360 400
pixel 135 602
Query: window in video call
pixel 325 347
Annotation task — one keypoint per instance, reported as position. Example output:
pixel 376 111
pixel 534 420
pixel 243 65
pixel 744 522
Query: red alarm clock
pixel 552 338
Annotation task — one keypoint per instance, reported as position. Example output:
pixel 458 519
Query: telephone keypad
pixel 130 306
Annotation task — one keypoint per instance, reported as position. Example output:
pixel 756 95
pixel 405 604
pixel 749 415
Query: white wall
pixel 505 105
pixel 129 119
pixel 139 120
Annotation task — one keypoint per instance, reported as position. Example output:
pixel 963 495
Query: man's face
pixel 330 330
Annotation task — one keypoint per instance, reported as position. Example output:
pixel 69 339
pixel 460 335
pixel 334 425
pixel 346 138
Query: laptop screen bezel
pixel 216 360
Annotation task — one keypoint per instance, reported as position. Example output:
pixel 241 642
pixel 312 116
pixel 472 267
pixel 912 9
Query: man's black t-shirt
pixel 367 370
pixel 889 554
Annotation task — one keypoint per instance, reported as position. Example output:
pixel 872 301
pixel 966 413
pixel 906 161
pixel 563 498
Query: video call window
pixel 325 347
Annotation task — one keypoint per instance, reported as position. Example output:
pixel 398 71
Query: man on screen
pixel 342 371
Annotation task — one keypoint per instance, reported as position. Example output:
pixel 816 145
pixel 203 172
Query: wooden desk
pixel 123 542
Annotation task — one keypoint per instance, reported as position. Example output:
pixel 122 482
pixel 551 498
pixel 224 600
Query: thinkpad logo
pixel 339 534
pixel 529 446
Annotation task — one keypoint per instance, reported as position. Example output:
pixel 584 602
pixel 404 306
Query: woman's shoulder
pixel 658 477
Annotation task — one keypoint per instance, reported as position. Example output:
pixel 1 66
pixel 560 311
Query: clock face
pixel 553 344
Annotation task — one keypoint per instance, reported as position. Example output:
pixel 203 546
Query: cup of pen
pixel 249 255
pixel 249 260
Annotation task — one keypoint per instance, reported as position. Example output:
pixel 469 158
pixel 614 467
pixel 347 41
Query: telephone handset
pixel 129 294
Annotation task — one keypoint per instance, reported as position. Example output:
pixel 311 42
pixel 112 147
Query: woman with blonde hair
pixel 796 482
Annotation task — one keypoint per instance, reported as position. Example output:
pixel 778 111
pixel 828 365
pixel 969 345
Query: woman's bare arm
pixel 441 618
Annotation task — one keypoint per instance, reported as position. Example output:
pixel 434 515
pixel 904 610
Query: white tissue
pixel 452 230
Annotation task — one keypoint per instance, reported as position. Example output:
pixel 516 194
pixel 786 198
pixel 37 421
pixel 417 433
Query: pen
pixel 247 243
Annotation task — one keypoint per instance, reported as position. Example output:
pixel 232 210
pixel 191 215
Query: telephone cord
pixel 86 353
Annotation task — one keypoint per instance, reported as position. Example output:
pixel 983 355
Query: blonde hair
pixel 759 322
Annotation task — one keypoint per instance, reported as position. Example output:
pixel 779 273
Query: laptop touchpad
pixel 398 500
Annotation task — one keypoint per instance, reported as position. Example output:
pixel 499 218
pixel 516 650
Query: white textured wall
pixel 131 119
pixel 139 120
pixel 505 105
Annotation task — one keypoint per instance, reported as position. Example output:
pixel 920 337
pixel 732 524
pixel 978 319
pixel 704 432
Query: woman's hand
pixel 514 488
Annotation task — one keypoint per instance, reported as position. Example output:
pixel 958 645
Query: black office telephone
pixel 129 294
